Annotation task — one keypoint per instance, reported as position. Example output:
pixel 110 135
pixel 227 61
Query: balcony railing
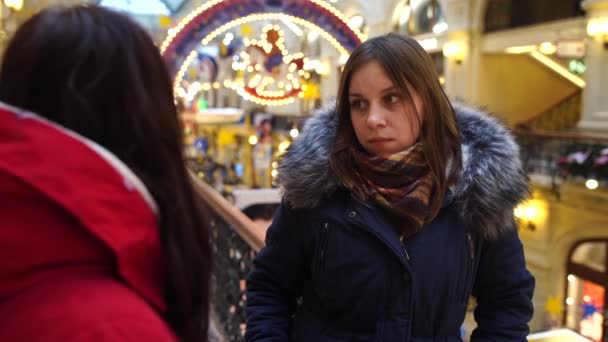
pixel 550 157
pixel 560 116
pixel 235 240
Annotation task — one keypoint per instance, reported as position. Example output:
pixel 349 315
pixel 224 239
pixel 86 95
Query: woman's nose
pixel 376 117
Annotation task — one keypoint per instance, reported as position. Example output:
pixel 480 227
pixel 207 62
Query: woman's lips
pixel 379 140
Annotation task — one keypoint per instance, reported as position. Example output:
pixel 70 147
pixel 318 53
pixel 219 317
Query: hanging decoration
pixel 214 17
pixel 271 74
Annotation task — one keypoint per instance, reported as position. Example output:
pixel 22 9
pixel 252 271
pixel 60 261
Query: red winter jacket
pixel 79 241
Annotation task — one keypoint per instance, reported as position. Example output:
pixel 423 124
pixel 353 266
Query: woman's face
pixel 382 117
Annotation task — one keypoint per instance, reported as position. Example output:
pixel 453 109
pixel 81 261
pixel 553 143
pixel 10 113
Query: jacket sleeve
pixel 503 288
pixel 275 282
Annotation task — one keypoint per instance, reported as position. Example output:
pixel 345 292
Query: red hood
pixel 68 204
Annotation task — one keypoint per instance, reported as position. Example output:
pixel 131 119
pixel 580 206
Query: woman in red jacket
pixel 101 239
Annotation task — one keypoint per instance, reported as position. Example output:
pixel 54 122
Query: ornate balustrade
pixel 235 240
pixel 549 157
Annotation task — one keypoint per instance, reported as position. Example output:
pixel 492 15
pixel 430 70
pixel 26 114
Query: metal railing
pixel 560 116
pixel 235 240
pixel 563 155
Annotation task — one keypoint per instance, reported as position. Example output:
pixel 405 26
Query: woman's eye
pixel 357 104
pixel 392 99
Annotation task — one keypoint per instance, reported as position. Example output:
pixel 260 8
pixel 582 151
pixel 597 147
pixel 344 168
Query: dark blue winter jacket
pixel 334 269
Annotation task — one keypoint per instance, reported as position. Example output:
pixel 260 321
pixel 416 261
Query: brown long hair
pixel 96 72
pixel 405 62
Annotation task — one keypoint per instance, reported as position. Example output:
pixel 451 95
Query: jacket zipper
pixel 323 245
pixel 407 256
pixel 470 265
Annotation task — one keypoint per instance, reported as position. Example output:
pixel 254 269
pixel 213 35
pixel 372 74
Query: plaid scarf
pixel 401 183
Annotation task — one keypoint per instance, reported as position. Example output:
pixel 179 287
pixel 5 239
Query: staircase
pixel 561 116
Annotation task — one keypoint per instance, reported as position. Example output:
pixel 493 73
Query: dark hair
pixel 405 62
pixel 96 72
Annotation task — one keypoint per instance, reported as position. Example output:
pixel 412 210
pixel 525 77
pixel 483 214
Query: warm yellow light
pixel 428 44
pixel 16 5
pixel 183 68
pixel 547 48
pixel 322 68
pixel 243 20
pixel 283 146
pixel 569 301
pixel 275 164
pixel 521 49
pixel 294 133
pixel 571 278
pixel 454 50
pixel 530 213
pixel 518 212
pixel 274 173
pixel 597 27
pixel 253 140
pixel 592 184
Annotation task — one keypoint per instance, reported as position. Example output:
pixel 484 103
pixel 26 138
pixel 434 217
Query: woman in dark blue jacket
pixel 398 206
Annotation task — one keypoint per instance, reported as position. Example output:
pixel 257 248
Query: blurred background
pixel 247 73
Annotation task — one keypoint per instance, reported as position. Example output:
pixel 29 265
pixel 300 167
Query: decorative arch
pixel 214 17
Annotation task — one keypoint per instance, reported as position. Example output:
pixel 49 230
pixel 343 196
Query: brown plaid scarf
pixel 401 183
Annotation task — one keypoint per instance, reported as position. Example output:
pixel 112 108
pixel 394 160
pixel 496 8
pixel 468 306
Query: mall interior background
pixel 247 73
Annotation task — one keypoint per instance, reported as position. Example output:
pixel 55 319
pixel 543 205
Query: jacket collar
pixel 492 182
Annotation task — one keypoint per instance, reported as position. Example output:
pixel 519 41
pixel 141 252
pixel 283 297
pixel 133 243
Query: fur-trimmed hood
pixel 492 182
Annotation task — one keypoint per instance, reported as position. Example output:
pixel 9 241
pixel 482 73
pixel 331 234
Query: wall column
pixel 595 101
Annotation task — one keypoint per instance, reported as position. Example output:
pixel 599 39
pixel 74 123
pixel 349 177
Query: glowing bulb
pixel 547 48
pixel 283 146
pixel 253 140
pixel 530 213
pixel 592 184
pixel 571 278
pixel 570 301
pixel 294 133
pixel 274 173
pixel 518 212
pixel 14 4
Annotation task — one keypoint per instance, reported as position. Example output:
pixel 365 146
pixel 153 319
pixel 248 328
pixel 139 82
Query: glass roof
pixel 146 7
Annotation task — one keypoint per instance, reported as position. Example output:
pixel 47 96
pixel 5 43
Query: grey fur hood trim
pixel 492 182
